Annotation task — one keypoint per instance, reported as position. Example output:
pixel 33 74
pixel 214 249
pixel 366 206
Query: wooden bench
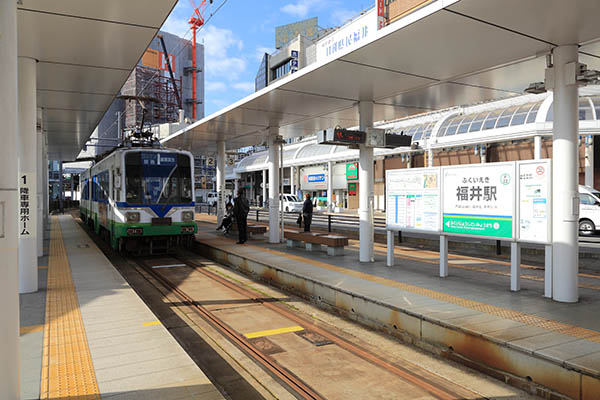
pixel 313 241
pixel 251 229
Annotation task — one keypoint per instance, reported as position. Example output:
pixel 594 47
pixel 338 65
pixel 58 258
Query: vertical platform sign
pixel 534 200
pixel 479 200
pixel 413 199
pixel 27 214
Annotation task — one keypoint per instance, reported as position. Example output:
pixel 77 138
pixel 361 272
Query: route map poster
pixel 479 200
pixel 534 200
pixel 413 199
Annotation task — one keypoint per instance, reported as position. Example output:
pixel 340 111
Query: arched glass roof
pixel 586 113
pixel 418 131
pixel 253 160
pixel 495 119
pixel 312 150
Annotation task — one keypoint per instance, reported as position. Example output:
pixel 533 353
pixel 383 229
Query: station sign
pixel 27 209
pixel 479 200
pixel 535 208
pixel 413 199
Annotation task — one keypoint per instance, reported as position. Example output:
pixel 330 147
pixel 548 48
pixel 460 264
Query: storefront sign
pixel 413 199
pixel 313 178
pixel 352 35
pixel 380 14
pixel 352 171
pixel 534 200
pixel 352 189
pixel 479 200
pixel 316 178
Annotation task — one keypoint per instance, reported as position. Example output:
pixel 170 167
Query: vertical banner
pixel 27 214
pixel 380 14
pixel 479 200
pixel 534 201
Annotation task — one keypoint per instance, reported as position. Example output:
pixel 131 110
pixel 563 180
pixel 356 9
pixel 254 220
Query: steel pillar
pixel 274 222
pixel 565 195
pixel 589 161
pixel 329 186
pixel 430 158
pixel 28 271
pixel 40 183
pixel 365 184
pixel 264 188
pixel 9 275
pixel 537 147
pixel 292 180
pixel 220 180
pixel 46 189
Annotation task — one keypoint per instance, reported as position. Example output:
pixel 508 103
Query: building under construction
pixel 150 86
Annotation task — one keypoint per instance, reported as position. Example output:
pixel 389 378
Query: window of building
pixel 281 70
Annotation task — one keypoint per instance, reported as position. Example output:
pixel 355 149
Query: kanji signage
pixel 534 200
pixel 479 200
pixel 352 171
pixel 352 189
pixel 27 211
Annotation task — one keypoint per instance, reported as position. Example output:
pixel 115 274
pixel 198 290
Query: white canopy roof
pixel 85 52
pixel 451 52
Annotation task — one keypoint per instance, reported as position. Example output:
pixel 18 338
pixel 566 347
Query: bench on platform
pixel 251 229
pixel 313 241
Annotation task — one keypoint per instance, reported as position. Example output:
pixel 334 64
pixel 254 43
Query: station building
pixel 505 130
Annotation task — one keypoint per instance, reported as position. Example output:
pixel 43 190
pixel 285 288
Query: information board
pixel 413 199
pixel 534 200
pixel 479 200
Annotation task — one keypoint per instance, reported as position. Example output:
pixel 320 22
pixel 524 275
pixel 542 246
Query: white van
pixel 589 210
pixel 291 203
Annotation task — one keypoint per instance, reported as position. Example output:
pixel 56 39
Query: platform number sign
pixel 27 211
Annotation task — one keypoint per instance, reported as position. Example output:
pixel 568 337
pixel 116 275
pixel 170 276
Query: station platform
pixel 470 316
pixel 87 335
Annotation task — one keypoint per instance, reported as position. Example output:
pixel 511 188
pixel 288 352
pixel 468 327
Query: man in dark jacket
pixel 241 207
pixel 307 212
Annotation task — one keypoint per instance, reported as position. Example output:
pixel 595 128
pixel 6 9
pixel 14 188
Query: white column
pixel 329 186
pixel 40 184
pixel 515 266
pixel 537 147
pixel 589 161
pixel 365 183
pixel 28 271
pixel 443 256
pixel 9 278
pixel 430 158
pixel 483 153
pixel 264 187
pixel 409 160
pixel 236 186
pixel 292 180
pixel 46 200
pixel 565 210
pixel 274 224
pixel 390 249
pixel 220 180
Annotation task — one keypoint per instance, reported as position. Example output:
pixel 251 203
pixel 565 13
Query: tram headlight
pixel 132 217
pixel 187 216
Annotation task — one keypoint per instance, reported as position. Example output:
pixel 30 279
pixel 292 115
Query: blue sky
pixel 242 31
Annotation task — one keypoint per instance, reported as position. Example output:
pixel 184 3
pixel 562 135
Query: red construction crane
pixel 196 21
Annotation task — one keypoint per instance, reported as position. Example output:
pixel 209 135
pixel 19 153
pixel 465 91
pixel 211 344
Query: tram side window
pixel 103 186
pixel 133 178
pixel 185 176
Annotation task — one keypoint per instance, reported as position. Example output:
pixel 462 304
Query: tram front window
pixel 158 178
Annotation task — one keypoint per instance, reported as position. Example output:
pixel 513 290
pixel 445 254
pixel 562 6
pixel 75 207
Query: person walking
pixel 307 212
pixel 241 208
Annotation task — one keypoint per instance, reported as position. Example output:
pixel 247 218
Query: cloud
pixel 244 86
pixel 261 50
pixel 215 86
pixel 223 55
pixel 340 16
pixel 299 9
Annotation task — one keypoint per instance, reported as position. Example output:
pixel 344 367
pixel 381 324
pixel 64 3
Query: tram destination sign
pixel 340 136
pixel 479 200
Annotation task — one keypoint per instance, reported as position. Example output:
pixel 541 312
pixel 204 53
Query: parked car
pixel 291 203
pixel 211 199
pixel 589 210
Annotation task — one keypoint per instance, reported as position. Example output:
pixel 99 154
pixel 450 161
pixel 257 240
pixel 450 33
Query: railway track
pixel 168 271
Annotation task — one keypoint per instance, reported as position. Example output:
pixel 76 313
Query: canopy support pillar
pixel 274 223
pixel 220 180
pixel 365 186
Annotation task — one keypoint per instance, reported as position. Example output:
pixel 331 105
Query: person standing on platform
pixel 241 208
pixel 307 212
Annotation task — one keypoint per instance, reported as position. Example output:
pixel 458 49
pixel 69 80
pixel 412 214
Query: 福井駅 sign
pixel 534 200
pixel 479 200
pixel 413 199
pixel 352 171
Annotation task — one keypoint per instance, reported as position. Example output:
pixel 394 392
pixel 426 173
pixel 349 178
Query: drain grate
pixel 266 346
pixel 314 338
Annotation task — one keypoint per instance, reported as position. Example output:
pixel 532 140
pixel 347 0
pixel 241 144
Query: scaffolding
pixel 156 92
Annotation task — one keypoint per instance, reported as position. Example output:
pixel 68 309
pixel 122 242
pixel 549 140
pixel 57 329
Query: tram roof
pixel 448 53
pixel 85 52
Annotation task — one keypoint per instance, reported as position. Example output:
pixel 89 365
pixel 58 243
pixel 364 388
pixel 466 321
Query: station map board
pixel 479 200
pixel 534 200
pixel 413 199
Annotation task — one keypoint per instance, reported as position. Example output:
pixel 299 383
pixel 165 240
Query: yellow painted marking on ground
pixel 151 323
pixel 272 332
pixel 42 267
pixel 67 369
pixel 528 319
pixel 31 329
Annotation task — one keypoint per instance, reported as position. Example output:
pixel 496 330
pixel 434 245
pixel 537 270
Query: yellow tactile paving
pixel 153 323
pixel 31 329
pixel 271 332
pixel 67 369
pixel 527 319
